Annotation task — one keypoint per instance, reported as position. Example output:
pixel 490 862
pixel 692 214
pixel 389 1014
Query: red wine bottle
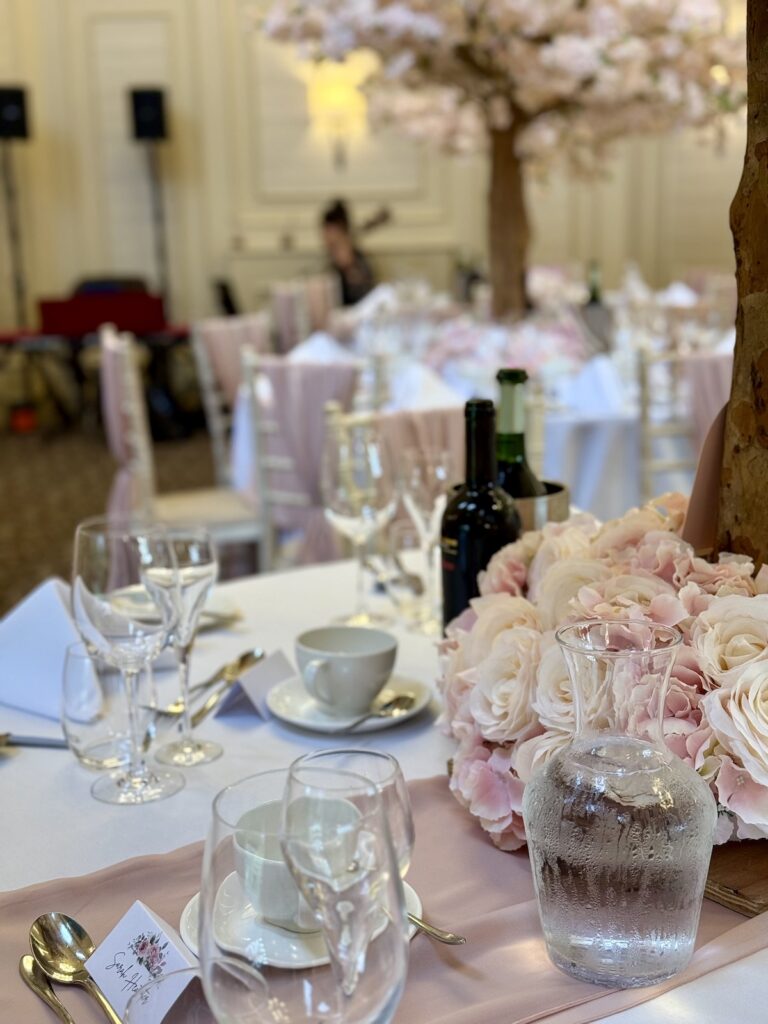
pixel 480 517
pixel 515 476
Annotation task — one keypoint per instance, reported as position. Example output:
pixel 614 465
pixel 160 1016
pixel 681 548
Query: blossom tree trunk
pixel 508 230
pixel 743 509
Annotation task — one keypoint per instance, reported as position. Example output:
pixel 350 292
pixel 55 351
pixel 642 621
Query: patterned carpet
pixel 48 485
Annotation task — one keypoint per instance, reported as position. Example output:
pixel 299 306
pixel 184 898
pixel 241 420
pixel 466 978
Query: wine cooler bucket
pixel 552 507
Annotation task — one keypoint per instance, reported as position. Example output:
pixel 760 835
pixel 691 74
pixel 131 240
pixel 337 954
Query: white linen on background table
pixel 54 828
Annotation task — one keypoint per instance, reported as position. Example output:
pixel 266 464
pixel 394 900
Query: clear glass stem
pixel 428 550
pixel 361 603
pixel 137 770
pixel 182 656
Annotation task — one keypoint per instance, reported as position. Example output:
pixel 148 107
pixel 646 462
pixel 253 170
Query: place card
pixel 140 948
pixel 254 685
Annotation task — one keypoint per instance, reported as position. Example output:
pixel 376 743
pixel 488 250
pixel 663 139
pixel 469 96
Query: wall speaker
pixel 13 113
pixel 148 110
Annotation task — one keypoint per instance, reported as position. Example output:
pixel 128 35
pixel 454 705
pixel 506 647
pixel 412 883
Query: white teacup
pixel 345 667
pixel 266 879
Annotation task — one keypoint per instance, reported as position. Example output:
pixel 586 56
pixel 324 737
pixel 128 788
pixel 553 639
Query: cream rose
pixel 571 543
pixel 738 715
pixel 731 635
pixel 495 614
pixel 562 583
pixel 536 751
pixel 505 682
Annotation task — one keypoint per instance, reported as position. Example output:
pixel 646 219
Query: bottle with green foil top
pixel 594 284
pixel 514 475
pixel 479 518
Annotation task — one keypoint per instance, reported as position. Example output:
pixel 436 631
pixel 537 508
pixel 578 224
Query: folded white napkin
pixel 413 386
pixel 320 348
pixel 33 638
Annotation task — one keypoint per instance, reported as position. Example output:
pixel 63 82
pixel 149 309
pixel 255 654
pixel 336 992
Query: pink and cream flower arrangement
pixel 508 697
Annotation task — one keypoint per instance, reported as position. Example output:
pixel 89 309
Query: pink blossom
pixel 663 554
pixel 637 596
pixel 729 575
pixel 485 784
pixel 507 570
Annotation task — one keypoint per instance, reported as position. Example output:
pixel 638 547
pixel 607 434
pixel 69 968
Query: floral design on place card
pixel 150 953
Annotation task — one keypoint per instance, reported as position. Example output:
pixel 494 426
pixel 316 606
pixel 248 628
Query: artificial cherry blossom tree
pixel 532 80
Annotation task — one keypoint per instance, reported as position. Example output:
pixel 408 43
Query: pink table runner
pixel 502 975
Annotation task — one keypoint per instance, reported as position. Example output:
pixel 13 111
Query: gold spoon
pixel 30 971
pixel 61 946
pixel 392 708
pixel 449 938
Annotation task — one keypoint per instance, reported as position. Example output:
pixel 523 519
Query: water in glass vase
pixel 619 859
pixel 619 829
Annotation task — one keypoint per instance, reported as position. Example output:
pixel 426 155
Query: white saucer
pixel 218 611
pixel 247 935
pixel 290 702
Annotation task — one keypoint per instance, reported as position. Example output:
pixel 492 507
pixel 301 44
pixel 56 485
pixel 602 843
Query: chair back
pixel 666 428
pixel 219 342
pixel 290 314
pixel 124 413
pixel 286 403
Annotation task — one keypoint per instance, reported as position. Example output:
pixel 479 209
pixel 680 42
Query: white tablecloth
pixel 52 827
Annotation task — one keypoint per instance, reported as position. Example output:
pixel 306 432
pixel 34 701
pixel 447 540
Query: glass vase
pixel 620 830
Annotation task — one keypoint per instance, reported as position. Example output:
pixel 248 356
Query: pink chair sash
pixel 128 442
pixel 299 395
pixel 224 337
pixel 290 313
pixel 112 412
pixel 438 429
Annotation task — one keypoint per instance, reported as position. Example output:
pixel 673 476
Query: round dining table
pixel 53 829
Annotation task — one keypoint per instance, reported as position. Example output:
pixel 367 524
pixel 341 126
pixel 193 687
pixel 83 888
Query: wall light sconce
pixel 338 109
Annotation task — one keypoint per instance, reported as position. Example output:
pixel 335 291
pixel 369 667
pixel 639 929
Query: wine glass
pixel 126 623
pixel 385 773
pixel 301 884
pixel 197 572
pixel 426 478
pixel 178 997
pixel 358 495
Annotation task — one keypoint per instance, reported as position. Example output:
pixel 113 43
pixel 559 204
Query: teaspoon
pixel 389 709
pixel 61 946
pixel 32 974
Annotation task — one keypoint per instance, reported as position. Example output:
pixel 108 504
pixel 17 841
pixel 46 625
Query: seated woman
pixel 356 277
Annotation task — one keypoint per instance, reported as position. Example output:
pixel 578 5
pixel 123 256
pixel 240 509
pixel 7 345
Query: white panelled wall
pixel 245 173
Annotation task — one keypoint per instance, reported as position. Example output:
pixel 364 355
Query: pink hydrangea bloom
pixel 483 781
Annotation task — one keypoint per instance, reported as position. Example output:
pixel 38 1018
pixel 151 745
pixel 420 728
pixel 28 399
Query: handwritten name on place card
pixel 140 948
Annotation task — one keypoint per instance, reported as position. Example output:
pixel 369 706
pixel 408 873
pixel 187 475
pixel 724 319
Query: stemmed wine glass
pixel 358 495
pixel 197 571
pixel 426 477
pixel 332 835
pixel 384 772
pixel 127 623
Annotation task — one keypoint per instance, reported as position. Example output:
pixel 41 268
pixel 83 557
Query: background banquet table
pixel 55 829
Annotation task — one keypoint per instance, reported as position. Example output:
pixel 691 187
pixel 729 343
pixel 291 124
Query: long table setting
pixel 92 860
